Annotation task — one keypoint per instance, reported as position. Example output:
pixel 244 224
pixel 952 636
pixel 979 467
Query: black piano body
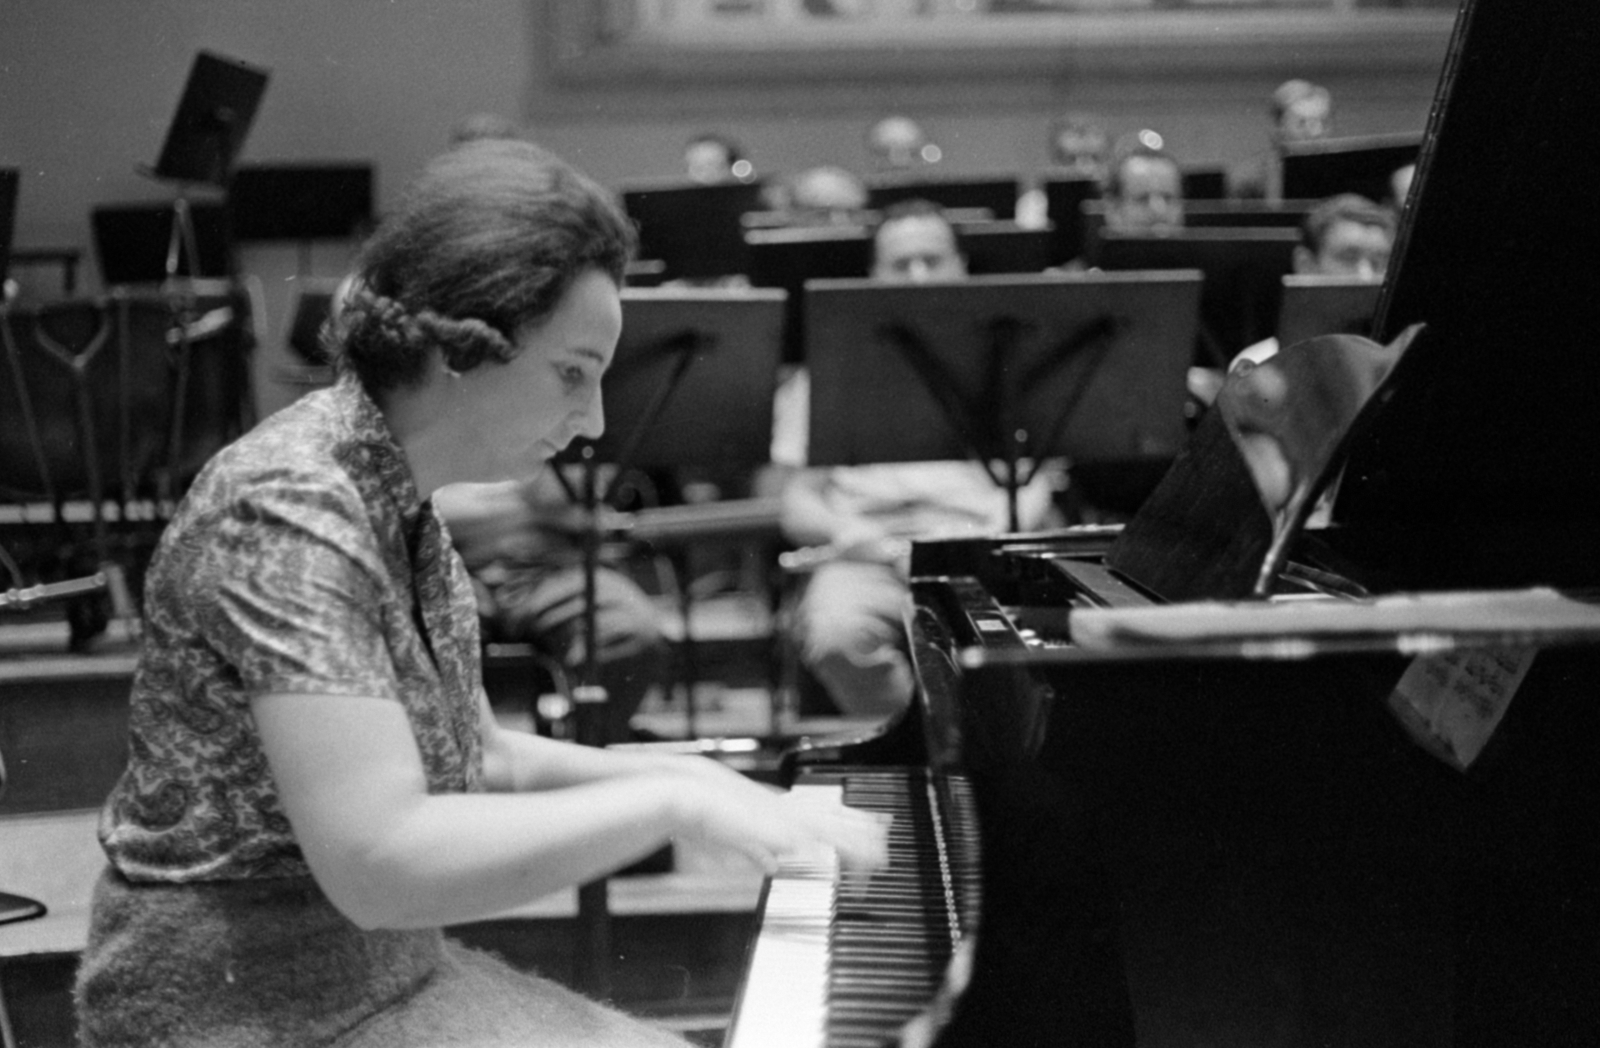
pixel 1216 844
pixel 1226 843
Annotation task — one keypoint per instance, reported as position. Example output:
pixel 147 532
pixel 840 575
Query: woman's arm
pixel 521 762
pixel 391 855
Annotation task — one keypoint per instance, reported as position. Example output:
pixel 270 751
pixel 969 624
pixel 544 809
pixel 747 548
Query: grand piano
pixel 1233 836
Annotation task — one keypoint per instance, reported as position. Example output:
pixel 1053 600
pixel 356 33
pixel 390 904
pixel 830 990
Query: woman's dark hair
pixel 485 242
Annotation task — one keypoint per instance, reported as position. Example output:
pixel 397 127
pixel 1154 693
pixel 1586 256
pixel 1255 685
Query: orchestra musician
pixel 316 784
pixel 847 624
pixel 1343 236
pixel 1144 186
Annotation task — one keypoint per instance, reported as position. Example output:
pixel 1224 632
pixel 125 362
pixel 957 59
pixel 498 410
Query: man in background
pixel 1144 186
pixel 855 523
pixel 1343 236
pixel 710 158
pixel 1300 111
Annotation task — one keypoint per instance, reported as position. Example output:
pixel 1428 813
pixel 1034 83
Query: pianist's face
pixel 521 413
pixel 917 249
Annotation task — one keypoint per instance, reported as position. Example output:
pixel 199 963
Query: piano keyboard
pixel 843 959
pixel 781 1004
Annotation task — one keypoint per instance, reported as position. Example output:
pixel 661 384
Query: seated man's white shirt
pixel 1256 353
pixel 907 499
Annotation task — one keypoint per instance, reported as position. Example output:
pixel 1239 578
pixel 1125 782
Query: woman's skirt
pixel 271 963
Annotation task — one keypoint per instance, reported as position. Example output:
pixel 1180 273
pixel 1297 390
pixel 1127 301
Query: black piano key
pixel 890 935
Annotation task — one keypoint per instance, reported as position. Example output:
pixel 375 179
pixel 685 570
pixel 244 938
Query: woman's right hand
pixel 769 826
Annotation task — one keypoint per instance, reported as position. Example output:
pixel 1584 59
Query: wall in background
pixel 87 88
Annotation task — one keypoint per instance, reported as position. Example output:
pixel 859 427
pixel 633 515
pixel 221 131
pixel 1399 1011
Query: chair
pixel 309 365
pixel 113 404
pixel 13 908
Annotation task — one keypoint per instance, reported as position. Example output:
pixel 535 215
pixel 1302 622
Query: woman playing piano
pixel 316 784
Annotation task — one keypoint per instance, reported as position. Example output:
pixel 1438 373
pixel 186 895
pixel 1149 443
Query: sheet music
pixel 1452 703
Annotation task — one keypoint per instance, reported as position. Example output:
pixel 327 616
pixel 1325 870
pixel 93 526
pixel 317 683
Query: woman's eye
pixel 571 377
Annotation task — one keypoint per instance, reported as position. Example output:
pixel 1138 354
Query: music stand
pixel 1064 203
pixel 787 258
pixel 691 384
pixel 9 179
pixel 694 229
pixel 313 304
pixel 692 380
pixel 301 202
pixel 1005 247
pixel 214 114
pixel 131 241
pixel 1244 214
pixel 1318 169
pixel 996 194
pixel 1008 370
pixel 1204 183
pixel 1326 305
pixel 1243 271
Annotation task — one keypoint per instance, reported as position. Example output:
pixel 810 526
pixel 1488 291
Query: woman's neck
pixel 423 420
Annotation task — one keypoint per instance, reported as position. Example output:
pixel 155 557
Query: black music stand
pixel 9 178
pixel 996 194
pixel 214 114
pixel 1008 370
pixel 1317 169
pixel 692 382
pixel 301 202
pixel 313 305
pixel 1064 203
pixel 1204 183
pixel 1326 305
pixel 1005 247
pixel 787 258
pixel 1243 271
pixel 694 229
pixel 131 241
pixel 1245 214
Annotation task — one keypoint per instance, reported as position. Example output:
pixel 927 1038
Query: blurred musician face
pixel 1349 249
pixel 1306 118
pixel 917 249
pixel 1080 151
pixel 1149 197
pixel 528 409
pixel 707 162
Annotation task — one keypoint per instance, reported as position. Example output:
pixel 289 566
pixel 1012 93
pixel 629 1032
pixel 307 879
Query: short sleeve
pixel 289 589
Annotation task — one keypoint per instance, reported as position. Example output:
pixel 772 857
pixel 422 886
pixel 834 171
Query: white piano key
pixel 784 1002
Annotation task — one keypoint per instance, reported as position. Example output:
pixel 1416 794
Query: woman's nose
pixel 592 423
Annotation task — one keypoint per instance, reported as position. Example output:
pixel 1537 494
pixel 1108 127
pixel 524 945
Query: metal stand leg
pixel 7 1038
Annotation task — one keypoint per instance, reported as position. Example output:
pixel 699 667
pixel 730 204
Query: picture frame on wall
pixel 707 42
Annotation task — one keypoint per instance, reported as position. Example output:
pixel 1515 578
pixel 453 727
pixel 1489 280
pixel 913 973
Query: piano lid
pixel 1483 469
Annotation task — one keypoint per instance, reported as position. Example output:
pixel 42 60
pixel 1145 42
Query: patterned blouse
pixel 300 561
